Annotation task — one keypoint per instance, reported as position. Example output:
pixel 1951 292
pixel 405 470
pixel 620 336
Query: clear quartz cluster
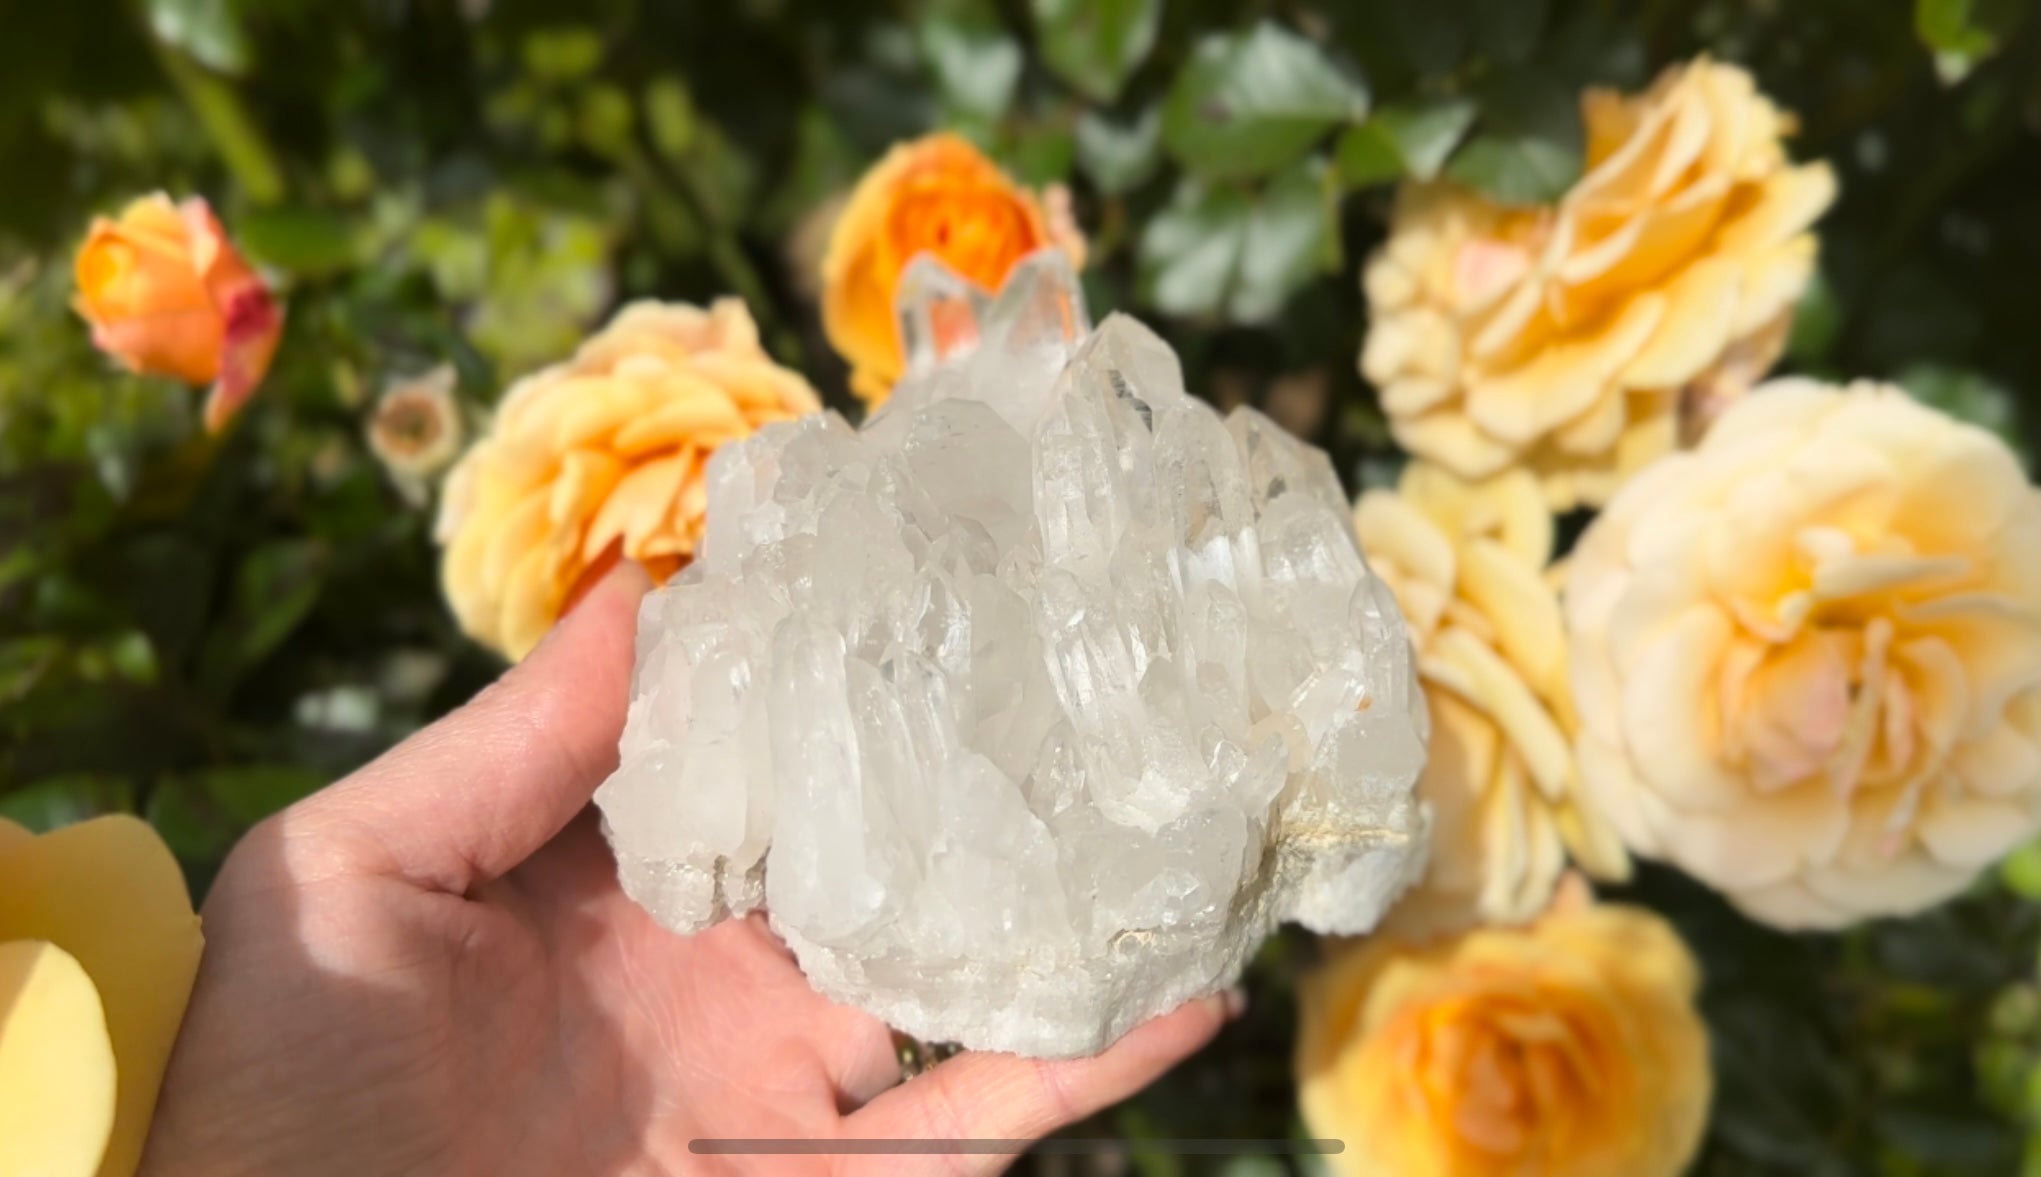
pixel 1027 710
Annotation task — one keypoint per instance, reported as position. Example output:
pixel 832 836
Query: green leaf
pixel 1190 250
pixel 166 580
pixel 823 164
pixel 670 116
pixel 604 120
pixel 24 661
pixel 1817 322
pixel 976 62
pixel 1946 1142
pixel 1516 170
pixel 1217 249
pixel 1248 103
pixel 1095 44
pixel 275 588
pixel 1530 146
pixel 2021 871
pixel 1410 139
pixel 1118 158
pixel 1284 244
pixel 1041 154
pixel 233 130
pixel 193 829
pixel 306 242
pixel 209 30
pixel 247 793
pixel 1963 33
pixel 55 802
pixel 201 814
pixel 562 54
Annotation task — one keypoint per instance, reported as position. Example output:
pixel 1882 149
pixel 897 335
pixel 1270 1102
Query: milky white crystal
pixel 1029 709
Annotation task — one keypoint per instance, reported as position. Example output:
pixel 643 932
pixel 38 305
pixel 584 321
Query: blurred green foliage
pixel 203 629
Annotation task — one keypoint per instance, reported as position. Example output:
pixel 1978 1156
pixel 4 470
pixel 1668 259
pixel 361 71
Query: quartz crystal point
pixel 1027 710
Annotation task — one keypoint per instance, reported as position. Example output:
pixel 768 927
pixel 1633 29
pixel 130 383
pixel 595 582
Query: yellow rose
pixel 1581 340
pixel 1466 562
pixel 1570 1046
pixel 1807 655
pixel 603 458
pixel 167 295
pixel 98 950
pixel 936 195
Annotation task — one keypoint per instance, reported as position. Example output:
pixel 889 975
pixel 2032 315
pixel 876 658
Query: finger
pixel 861 1060
pixel 1005 1097
pixel 473 795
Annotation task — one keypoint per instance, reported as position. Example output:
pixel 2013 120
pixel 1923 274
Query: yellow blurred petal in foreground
pixel 56 1064
pixel 108 894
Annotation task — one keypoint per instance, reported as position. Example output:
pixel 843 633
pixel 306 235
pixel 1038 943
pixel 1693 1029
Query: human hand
pixel 429 968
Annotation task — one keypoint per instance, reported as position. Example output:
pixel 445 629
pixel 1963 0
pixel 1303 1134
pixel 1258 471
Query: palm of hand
pixel 421 971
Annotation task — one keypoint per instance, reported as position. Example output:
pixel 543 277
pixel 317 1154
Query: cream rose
pixel 1466 562
pixel 603 458
pixel 1580 340
pixel 1807 655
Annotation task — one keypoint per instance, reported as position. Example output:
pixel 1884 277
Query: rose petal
pixel 1564 378
pixel 1757 845
pixel 1791 905
pixel 57 1076
pixel 1668 701
pixel 1971 835
pixel 1451 440
pixel 1902 885
pixel 108 892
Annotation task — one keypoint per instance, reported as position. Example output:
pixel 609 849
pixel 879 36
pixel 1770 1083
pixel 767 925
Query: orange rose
pixel 936 195
pixel 1570 1046
pixel 167 295
pixel 600 458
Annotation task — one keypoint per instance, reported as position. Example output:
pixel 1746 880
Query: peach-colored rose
pixel 601 458
pixel 1570 1046
pixel 1466 562
pixel 936 195
pixel 167 295
pixel 1807 655
pixel 1582 340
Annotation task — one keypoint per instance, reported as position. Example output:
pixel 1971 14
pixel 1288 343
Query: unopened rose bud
pixel 168 295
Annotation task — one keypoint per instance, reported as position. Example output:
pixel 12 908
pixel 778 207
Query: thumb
pixel 1000 1103
pixel 473 795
